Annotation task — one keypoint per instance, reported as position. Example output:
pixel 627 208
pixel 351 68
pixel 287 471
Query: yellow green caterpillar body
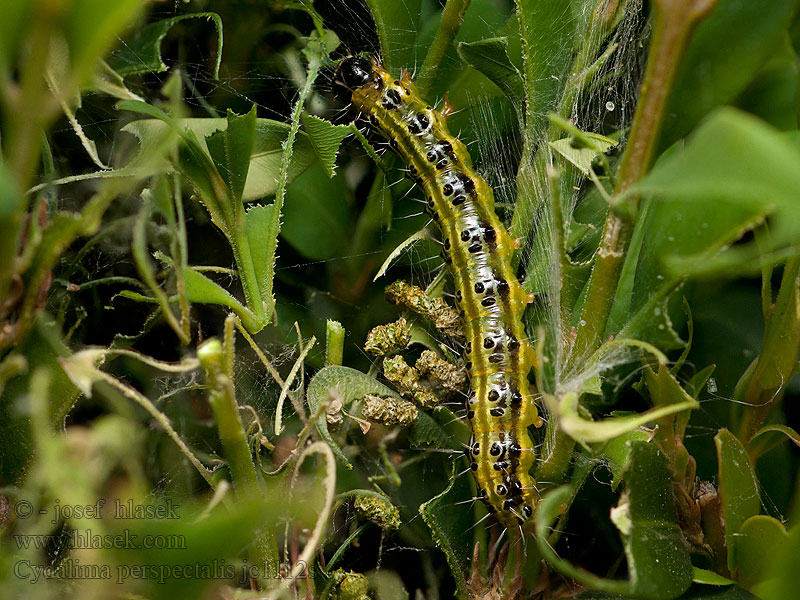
pixel 491 302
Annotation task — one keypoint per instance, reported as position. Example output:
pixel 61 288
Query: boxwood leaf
pixel 714 73
pixel 265 159
pixel 738 489
pixel 761 540
pixel 316 216
pixel 658 562
pixel 732 174
pixel 231 149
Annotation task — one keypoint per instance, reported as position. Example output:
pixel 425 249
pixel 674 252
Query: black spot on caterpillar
pixel 478 251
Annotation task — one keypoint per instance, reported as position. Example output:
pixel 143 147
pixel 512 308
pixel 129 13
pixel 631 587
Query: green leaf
pixel 769 437
pixel 713 73
pixel 326 139
pixel 707 592
pixel 259 228
pixel 760 541
pixel 657 557
pixel 397 24
pixel 346 385
pixel 699 380
pixel 666 391
pixel 617 452
pixel 316 216
pixel 265 160
pixel 785 576
pixel 231 150
pixel 451 520
pixel 658 562
pixel 582 157
pixel 426 432
pixel 710 578
pixel 696 592
pixel 143 54
pixel 734 172
pixel 587 431
pixel 738 489
pixel 772 94
pixel 490 57
pixel 547 29
pixel 200 288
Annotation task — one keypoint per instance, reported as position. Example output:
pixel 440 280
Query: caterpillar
pixel 491 302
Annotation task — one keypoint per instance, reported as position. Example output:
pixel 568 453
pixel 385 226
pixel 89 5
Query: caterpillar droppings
pixel 490 300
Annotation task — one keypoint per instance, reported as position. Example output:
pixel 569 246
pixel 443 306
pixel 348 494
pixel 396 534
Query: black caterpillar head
pixel 353 72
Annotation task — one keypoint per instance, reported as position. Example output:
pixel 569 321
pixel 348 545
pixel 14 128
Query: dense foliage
pixel 204 391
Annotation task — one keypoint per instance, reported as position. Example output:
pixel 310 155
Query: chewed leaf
pixel 326 139
pixel 82 368
pixel 581 157
pixel 345 385
pixel 231 149
pixel 143 54
pixel 451 521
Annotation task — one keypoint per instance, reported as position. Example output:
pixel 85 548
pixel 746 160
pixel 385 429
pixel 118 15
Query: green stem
pixel 34 106
pixel 334 343
pixel 675 21
pixel 283 177
pixel 179 250
pixel 28 108
pixel 246 481
pixel 452 16
pixel 226 414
